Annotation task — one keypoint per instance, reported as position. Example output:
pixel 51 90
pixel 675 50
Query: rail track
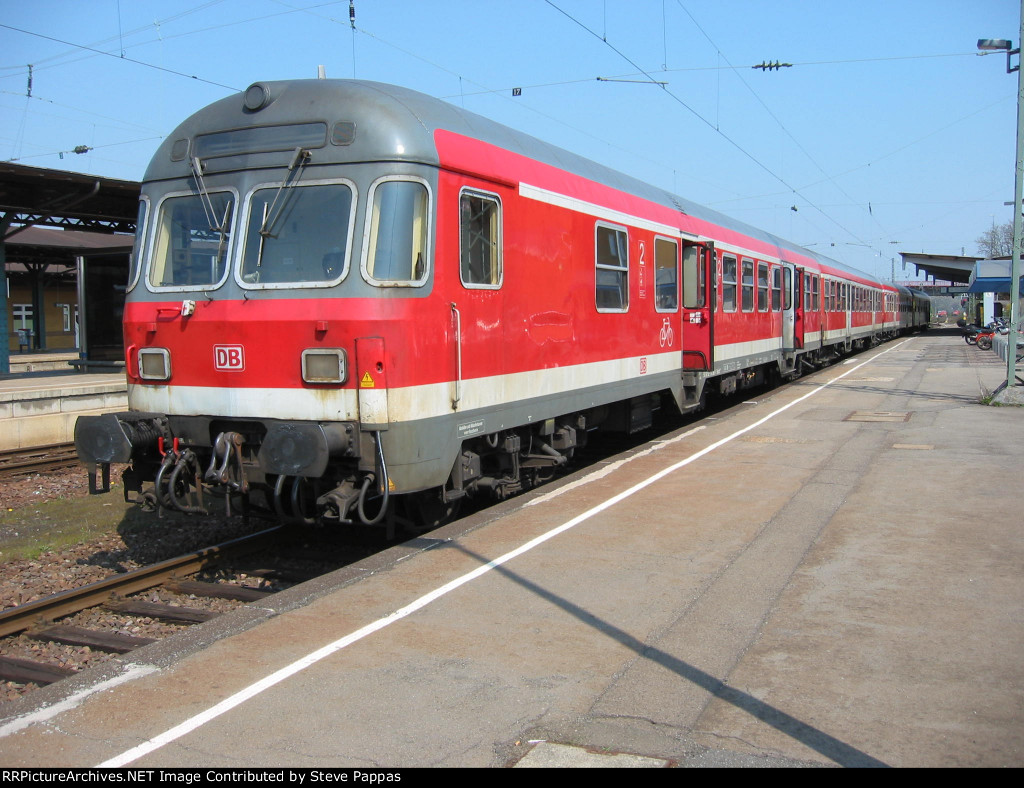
pixel 18 462
pixel 39 620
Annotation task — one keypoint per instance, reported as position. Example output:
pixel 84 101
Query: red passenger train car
pixel 366 304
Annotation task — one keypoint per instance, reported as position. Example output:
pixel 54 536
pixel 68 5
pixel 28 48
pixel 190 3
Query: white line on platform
pixel 130 673
pixel 277 677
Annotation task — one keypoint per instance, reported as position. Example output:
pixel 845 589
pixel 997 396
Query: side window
pixel 777 289
pixel 762 287
pixel 612 269
pixel 748 286
pixel 817 294
pixel 666 275
pixel 729 284
pixel 788 289
pixel 397 233
pixel 480 245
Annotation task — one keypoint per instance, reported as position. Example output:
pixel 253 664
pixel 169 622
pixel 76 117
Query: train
pixel 353 303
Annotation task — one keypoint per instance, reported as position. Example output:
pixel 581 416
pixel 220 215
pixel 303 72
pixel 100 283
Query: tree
pixel 997 241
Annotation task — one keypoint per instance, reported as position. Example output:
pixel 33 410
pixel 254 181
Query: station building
pixel 65 251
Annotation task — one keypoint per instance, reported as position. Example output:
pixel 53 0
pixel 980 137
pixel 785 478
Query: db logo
pixel 228 357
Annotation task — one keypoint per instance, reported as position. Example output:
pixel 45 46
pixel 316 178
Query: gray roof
pixel 386 113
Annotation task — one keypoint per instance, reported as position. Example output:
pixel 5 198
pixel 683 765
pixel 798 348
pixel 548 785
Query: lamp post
pixel 989 44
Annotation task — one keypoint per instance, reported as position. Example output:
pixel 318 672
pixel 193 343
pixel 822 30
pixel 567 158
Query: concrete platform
pixel 44 361
pixel 830 574
pixel 39 409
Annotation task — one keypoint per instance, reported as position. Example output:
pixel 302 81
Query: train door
pixel 698 306
pixel 792 317
pixel 848 308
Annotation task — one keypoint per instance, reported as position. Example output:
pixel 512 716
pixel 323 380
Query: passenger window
pixel 787 288
pixel 612 269
pixel 666 275
pixel 729 284
pixel 748 286
pixel 397 233
pixel 762 287
pixel 480 241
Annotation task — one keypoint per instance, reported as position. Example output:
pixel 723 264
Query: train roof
pixel 393 122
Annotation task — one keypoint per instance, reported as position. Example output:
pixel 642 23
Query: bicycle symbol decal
pixel 666 335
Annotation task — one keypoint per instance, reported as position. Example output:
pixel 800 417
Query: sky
pixel 888 132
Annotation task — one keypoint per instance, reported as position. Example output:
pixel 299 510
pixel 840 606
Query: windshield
pixel 190 244
pixel 304 237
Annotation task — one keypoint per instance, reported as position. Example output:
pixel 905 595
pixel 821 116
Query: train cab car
pixel 363 304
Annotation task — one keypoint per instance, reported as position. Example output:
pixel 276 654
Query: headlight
pixel 324 365
pixel 154 363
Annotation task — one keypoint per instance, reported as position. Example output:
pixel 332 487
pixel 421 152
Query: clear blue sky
pixel 889 133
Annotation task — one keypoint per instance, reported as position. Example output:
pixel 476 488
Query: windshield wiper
pixel 204 194
pixel 211 213
pixel 299 160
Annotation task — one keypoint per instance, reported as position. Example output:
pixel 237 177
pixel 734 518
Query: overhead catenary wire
pixel 764 66
pixel 121 57
pixel 705 121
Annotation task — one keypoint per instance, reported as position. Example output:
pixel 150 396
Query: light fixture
pixel 324 365
pixel 154 363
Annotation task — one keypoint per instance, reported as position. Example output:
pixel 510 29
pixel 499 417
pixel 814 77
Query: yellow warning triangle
pixel 366 382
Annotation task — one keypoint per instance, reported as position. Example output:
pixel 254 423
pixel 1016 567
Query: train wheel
pixel 427 510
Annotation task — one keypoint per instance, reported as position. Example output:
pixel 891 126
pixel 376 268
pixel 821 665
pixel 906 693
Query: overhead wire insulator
pixel 766 66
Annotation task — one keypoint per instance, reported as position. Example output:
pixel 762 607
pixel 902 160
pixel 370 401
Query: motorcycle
pixel 983 337
pixel 970 332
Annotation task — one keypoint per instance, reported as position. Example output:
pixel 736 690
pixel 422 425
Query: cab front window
pixel 137 248
pixel 297 235
pixel 191 239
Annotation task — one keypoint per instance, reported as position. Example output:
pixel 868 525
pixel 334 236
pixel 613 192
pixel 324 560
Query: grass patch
pixel 29 531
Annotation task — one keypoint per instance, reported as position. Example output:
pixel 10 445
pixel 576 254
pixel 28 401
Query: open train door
pixel 698 306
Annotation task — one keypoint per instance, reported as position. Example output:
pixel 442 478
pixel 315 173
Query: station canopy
pixel 36 197
pixel 948 268
pixel 992 276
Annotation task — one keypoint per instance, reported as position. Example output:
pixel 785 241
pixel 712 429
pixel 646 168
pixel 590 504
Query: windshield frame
pixel 244 229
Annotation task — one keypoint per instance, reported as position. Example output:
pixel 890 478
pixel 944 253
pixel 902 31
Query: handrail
pixel 458 356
